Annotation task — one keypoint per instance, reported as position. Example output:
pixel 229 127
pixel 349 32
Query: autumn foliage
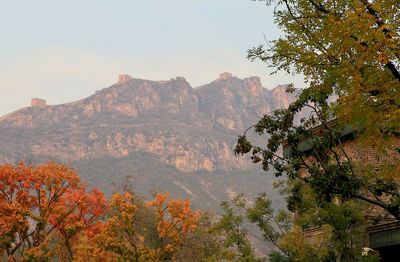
pixel 174 220
pixel 46 213
pixel 121 237
pixel 43 208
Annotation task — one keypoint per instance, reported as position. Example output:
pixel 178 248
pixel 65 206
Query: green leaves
pixel 235 235
pixel 243 146
pixel 349 50
pixel 340 139
pixel 272 225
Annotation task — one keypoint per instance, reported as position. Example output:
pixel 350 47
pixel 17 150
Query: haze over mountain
pixel 162 135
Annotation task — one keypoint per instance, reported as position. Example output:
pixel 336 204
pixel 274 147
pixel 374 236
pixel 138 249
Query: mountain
pixel 156 135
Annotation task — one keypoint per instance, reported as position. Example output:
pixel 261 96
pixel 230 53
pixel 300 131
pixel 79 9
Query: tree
pixel 349 49
pixel 336 229
pixel 320 231
pixel 119 237
pixel 44 209
pixel 46 213
pixel 175 220
pixel 235 234
pixel 349 55
pixel 204 244
pixel 127 236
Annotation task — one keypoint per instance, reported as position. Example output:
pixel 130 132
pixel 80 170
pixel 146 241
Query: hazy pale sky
pixel 64 50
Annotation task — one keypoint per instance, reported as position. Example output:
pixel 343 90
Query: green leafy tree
pixel 349 49
pixel 349 55
pixel 319 233
pixel 332 229
pixel 202 244
pixel 235 234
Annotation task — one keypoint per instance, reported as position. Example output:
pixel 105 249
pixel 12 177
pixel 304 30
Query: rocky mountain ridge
pixel 156 136
pixel 189 128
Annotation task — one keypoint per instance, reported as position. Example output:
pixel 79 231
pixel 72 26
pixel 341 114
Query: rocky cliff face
pixel 188 128
pixel 155 135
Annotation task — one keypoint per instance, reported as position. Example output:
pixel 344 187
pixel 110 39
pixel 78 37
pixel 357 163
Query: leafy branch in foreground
pixel 349 50
pixel 349 55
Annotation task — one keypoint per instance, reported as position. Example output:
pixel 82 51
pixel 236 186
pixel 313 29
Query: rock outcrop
pixel 189 128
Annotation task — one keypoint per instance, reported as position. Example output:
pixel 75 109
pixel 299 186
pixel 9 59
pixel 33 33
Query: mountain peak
pixel 168 119
pixel 225 76
pixel 124 79
pixel 253 83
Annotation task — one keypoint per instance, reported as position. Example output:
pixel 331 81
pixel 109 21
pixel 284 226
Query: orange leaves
pixel 159 200
pixel 123 203
pixel 81 211
pixel 46 212
pixel 44 202
pixel 119 237
pixel 175 217
pixel 125 235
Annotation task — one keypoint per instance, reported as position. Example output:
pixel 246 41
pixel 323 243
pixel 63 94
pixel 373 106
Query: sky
pixel 64 50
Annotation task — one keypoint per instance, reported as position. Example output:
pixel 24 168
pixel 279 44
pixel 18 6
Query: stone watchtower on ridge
pixel 225 76
pixel 123 79
pixel 38 102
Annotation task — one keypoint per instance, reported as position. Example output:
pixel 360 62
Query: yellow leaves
pixel 118 237
pixel 309 245
pixel 62 211
pixel 124 209
pixel 121 237
pixel 382 58
pixel 175 220
pixel 179 219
